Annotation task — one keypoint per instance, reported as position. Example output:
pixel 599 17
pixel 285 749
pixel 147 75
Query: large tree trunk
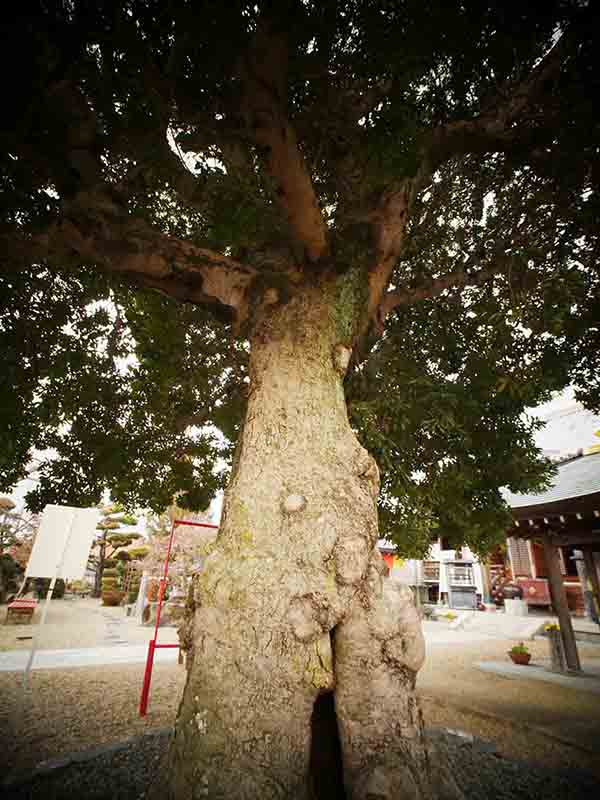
pixel 291 602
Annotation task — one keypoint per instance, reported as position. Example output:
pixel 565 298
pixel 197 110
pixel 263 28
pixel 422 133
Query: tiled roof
pixel 576 478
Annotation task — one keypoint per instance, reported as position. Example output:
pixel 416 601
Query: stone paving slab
pixel 16 660
pixel 440 634
pixel 588 681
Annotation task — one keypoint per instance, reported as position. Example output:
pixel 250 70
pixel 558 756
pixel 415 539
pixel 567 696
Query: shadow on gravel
pixel 124 770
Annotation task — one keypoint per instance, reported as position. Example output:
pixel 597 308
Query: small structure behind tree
pixel 548 528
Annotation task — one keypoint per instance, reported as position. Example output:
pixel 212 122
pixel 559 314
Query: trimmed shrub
pixel 110 573
pixel 112 597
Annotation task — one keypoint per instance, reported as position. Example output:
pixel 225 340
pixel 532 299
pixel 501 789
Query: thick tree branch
pixel 511 120
pixel 95 227
pixel 89 234
pixel 389 221
pixel 263 72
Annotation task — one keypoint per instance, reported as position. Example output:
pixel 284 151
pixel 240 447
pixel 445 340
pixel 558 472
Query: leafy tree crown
pixel 169 169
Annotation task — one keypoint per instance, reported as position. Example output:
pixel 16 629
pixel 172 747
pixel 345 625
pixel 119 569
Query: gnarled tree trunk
pixel 291 603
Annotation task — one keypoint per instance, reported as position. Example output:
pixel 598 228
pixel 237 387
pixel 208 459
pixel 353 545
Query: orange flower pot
pixel 520 658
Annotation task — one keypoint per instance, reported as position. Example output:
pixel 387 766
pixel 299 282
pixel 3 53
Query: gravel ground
pixel 126 771
pixel 554 725
pixel 73 710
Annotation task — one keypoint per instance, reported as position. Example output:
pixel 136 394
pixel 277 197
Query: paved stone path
pixel 115 629
pixel 588 681
pixel 15 660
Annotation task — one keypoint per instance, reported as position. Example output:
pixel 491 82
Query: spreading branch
pixel 389 222
pixel 96 228
pixel 264 73
pixel 458 279
pixel 89 234
pixel 513 119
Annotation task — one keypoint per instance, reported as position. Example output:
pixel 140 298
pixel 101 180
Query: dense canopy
pixel 167 168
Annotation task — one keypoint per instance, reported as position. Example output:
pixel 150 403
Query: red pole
pixel 163 580
pixel 152 644
pixel 196 524
pixel 147 677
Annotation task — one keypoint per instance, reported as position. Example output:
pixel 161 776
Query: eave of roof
pixel 575 479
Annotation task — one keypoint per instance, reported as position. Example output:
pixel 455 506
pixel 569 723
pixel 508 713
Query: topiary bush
pixel 112 577
pixel 110 573
pixel 112 597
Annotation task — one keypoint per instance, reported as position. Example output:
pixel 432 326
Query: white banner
pixel 63 542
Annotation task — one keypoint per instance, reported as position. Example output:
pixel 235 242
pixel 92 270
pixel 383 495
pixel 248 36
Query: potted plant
pixel 519 654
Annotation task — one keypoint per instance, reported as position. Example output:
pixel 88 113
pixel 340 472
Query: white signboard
pixel 62 545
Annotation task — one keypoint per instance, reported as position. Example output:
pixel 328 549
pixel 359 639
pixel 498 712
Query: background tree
pixel 17 528
pixel 188 550
pixel 390 203
pixel 17 532
pixel 111 541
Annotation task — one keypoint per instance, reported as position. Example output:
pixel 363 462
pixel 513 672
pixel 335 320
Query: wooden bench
pixel 23 608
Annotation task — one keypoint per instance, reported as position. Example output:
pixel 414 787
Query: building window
pixel 460 575
pixel 519 557
pixel 431 571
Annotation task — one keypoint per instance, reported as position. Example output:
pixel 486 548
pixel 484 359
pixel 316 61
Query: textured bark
pixel 294 568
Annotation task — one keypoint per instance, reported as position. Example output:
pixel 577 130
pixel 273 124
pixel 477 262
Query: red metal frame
pixel 152 644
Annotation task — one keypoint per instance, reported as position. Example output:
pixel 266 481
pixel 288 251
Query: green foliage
pixel 122 539
pixel 130 432
pixel 138 553
pixel 137 394
pixel 429 408
pixel 134 590
pixel 42 585
pixel 519 649
pixel 8 537
pixel 110 573
pixel 10 573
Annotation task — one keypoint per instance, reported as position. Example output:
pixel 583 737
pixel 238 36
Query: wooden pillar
pixel 485 579
pixel 592 575
pixel 559 601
